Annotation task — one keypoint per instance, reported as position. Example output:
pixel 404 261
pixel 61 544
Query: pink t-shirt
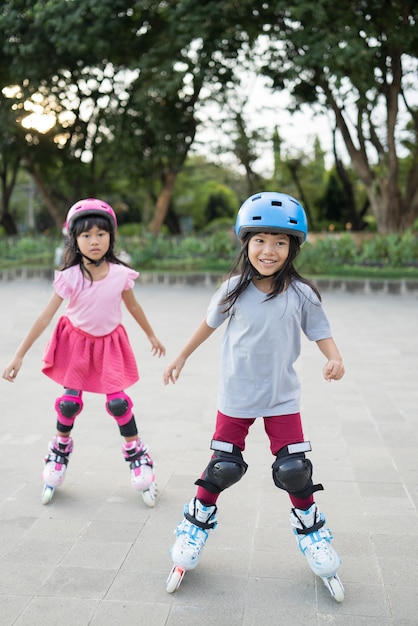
pixel 94 307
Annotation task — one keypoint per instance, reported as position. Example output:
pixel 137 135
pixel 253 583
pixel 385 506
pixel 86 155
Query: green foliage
pixel 336 254
pixel 27 251
pixel 132 229
pixel 203 193
pixel 391 250
pixel 191 253
pixel 328 255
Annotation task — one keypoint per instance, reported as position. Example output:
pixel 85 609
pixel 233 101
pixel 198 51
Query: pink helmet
pixel 90 206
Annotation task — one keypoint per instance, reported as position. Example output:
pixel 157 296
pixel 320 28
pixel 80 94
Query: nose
pixel 268 247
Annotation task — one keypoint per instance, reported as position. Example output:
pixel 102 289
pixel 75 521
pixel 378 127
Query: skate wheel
pixel 47 494
pixel 150 495
pixel 335 587
pixel 174 579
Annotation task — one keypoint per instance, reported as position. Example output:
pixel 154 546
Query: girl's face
pixel 94 243
pixel 267 252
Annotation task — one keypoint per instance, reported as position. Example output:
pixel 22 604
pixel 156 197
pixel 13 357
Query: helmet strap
pixel 91 261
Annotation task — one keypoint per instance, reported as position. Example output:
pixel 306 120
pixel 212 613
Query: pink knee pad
pixel 119 405
pixel 68 406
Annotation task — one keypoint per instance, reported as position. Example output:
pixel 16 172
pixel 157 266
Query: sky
pixel 266 110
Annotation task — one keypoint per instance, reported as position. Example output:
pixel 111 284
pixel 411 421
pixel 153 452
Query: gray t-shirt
pixel 260 346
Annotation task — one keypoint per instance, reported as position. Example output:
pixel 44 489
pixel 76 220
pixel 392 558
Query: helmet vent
pixel 276 203
pixel 256 217
pixel 293 221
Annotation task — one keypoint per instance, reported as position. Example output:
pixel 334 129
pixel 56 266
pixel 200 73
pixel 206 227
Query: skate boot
pixel 55 466
pixel 142 470
pixel 192 534
pixel 315 543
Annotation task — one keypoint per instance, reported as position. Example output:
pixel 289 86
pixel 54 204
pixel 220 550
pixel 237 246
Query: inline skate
pixel 192 534
pixel 60 449
pixel 142 470
pixel 315 543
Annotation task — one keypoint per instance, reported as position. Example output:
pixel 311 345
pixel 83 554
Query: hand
pixel 172 371
pixel 12 369
pixel 333 370
pixel 157 347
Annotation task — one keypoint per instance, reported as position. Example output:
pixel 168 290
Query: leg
pixel 232 430
pixel 225 468
pixel 119 405
pixel 292 472
pixel 68 406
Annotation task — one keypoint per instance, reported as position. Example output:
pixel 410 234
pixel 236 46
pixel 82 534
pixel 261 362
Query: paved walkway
pixel 97 556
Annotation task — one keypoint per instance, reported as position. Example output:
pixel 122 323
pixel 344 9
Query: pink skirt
pixel 81 361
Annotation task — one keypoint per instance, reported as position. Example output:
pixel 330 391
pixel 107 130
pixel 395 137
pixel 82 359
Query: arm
pixel 137 312
pixel 41 322
pixel 334 368
pixel 172 371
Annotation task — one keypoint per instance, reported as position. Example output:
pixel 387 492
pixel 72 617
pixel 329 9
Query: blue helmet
pixel 270 211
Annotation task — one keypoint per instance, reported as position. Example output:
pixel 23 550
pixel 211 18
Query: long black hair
pixel 84 223
pixel 281 280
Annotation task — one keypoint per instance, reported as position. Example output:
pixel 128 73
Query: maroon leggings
pixel 281 430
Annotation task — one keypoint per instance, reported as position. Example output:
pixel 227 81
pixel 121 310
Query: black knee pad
pixel 119 405
pixel 292 471
pixel 225 468
pixel 69 404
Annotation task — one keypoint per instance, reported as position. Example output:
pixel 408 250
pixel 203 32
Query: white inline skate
pixel 315 543
pixel 142 470
pixel 192 534
pixel 55 466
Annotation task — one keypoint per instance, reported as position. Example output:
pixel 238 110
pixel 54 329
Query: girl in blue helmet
pixel 266 304
pixel 89 349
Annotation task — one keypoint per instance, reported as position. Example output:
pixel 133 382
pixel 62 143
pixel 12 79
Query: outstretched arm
pixel 334 368
pixel 172 371
pixel 137 312
pixel 41 322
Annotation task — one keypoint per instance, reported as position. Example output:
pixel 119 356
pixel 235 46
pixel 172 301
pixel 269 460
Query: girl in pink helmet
pixel 89 349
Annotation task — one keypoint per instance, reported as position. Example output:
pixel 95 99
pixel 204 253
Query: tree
pixel 167 52
pixel 359 61
pixel 10 160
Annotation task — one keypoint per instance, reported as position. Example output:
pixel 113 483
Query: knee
pixel 119 406
pixel 68 406
pixel 225 468
pixel 292 471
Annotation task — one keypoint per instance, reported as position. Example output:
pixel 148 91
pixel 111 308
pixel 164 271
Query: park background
pixel 176 111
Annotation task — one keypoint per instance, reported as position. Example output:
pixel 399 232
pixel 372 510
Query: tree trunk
pixel 163 202
pixel 8 222
pixel 381 181
pixel 293 167
pixel 49 203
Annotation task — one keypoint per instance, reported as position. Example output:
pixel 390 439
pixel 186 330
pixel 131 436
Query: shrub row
pixel 325 255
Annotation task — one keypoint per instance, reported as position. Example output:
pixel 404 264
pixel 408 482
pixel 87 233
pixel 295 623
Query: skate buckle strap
pixel 134 456
pixel 315 537
pixel 195 522
pixel 311 529
pixel 139 462
pixel 57 457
